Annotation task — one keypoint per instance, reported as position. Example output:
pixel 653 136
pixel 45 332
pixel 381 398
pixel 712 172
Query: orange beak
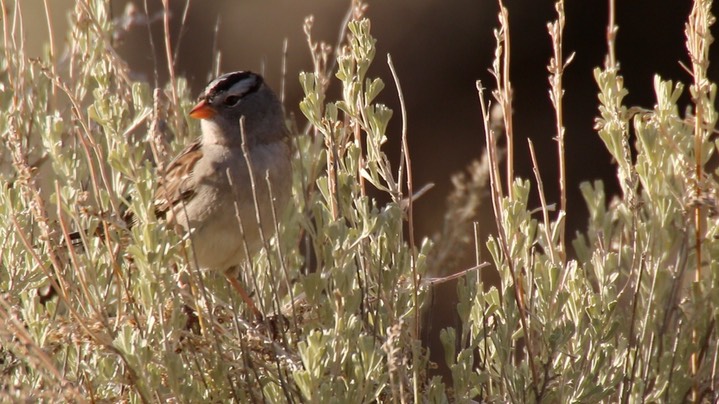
pixel 202 110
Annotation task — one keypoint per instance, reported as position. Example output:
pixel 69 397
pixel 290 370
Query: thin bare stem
pixel 503 94
pixel 255 198
pixel 612 29
pixel 280 254
pixel 158 144
pixel 153 48
pixel 332 172
pixel 7 46
pixel 170 60
pixel 543 200
pixel 283 75
pixel 410 217
pixel 357 131
pixel 410 185
pixel 556 67
pixel 217 60
pixel 440 280
pixel 185 12
pixel 51 38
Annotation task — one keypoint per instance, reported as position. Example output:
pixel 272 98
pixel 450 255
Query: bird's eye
pixel 232 100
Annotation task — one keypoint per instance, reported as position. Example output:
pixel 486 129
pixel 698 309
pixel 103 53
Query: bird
pixel 208 185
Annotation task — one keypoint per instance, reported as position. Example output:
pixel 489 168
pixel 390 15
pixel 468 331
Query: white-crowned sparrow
pixel 208 183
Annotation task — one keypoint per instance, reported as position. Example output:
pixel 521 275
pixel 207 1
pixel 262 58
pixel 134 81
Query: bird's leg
pixel 238 287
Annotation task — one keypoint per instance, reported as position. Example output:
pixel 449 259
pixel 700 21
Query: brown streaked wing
pixel 172 188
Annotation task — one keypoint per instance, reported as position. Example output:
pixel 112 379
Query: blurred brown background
pixel 439 48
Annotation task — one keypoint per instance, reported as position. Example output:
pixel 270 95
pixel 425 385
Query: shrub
pixel 628 314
